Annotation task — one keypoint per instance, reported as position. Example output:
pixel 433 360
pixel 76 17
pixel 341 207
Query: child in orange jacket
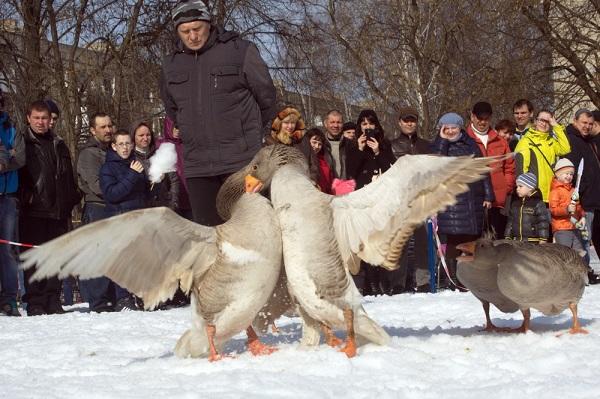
pixel 566 214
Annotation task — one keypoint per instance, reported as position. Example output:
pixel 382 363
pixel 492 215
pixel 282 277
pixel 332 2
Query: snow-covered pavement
pixel 436 351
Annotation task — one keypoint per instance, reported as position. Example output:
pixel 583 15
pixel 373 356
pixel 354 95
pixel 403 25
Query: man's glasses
pixel 124 145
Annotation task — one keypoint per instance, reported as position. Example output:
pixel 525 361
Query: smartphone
pixel 370 133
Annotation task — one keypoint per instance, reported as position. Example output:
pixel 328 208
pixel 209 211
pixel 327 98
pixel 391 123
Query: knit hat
pixel 528 180
pixel 451 118
pixel 52 107
pixel 190 10
pixel 563 163
pixel 348 126
pixel 596 114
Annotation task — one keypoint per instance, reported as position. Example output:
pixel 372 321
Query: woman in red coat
pixel 503 172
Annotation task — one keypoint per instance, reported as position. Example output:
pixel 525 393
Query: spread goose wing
pixel 375 222
pixel 147 251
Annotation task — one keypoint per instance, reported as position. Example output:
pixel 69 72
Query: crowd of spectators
pixel 219 99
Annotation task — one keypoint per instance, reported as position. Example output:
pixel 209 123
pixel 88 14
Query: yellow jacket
pixel 533 147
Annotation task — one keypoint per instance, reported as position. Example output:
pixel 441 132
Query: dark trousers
pixel 96 291
pixel 44 293
pixel 202 192
pixel 451 241
pixel 497 222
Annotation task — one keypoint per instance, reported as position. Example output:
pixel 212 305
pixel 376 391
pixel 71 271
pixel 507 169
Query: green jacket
pixel 537 152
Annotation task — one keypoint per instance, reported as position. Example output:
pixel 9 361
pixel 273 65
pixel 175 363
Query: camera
pixel 370 133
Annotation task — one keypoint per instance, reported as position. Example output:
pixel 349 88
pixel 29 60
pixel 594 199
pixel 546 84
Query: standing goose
pixel 514 275
pixel 229 269
pixel 324 237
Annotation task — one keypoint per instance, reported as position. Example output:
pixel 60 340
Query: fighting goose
pixel 514 275
pixel 229 269
pixel 324 236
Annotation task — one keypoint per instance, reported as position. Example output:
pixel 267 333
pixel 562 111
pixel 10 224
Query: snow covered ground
pixel 436 351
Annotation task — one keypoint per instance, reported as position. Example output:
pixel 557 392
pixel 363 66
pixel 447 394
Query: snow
pixel 437 351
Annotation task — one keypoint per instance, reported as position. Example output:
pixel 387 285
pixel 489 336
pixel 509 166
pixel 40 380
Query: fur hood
pixel 282 137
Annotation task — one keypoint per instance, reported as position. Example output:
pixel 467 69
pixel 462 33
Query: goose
pixel 514 275
pixel 324 237
pixel 228 268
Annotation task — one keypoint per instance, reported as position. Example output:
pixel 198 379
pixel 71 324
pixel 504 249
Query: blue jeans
pixel 9 282
pixel 95 291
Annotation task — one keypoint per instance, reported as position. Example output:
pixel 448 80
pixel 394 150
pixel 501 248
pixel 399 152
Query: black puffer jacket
pixel 222 99
pixel 528 218
pixel 46 183
pixel 123 188
pixel 588 149
pixel 466 216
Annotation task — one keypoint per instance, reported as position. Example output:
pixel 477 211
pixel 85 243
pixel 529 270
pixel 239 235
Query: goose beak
pixel 468 251
pixel 252 184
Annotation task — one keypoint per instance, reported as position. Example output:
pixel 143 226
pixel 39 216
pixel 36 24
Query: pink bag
pixel 341 187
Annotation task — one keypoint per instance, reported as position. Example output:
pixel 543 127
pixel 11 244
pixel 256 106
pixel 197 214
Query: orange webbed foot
pixel 257 348
pixel 350 348
pixel 334 341
pixel 576 330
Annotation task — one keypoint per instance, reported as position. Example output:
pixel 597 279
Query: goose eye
pixel 254 167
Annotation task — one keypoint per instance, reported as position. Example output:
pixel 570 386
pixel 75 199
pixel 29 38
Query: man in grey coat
pixel 218 90
pixel 98 292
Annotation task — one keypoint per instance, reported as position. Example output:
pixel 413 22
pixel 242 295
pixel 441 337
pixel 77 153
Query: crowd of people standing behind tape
pixel 219 99
pixel 528 197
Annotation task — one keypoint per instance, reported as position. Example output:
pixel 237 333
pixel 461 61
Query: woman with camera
pixel 365 161
pixel 372 154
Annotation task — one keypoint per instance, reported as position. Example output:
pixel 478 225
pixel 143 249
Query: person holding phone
pixel 371 156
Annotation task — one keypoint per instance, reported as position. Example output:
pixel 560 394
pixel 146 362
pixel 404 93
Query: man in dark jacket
pixel 13 144
pixel 413 271
pixel 48 194
pixel 218 90
pixel 98 292
pixel 584 146
pixel 408 141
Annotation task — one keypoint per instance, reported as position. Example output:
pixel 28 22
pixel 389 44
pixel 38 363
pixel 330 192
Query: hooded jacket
pixel 466 215
pixel 560 198
pixel 537 152
pixel 502 175
pixel 528 219
pixel 123 188
pixel 46 183
pixel 11 140
pixel 588 149
pixel 222 99
pixel 91 158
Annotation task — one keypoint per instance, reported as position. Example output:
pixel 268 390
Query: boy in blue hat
pixel 528 217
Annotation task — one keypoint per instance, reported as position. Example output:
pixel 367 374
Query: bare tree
pixel 572 30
